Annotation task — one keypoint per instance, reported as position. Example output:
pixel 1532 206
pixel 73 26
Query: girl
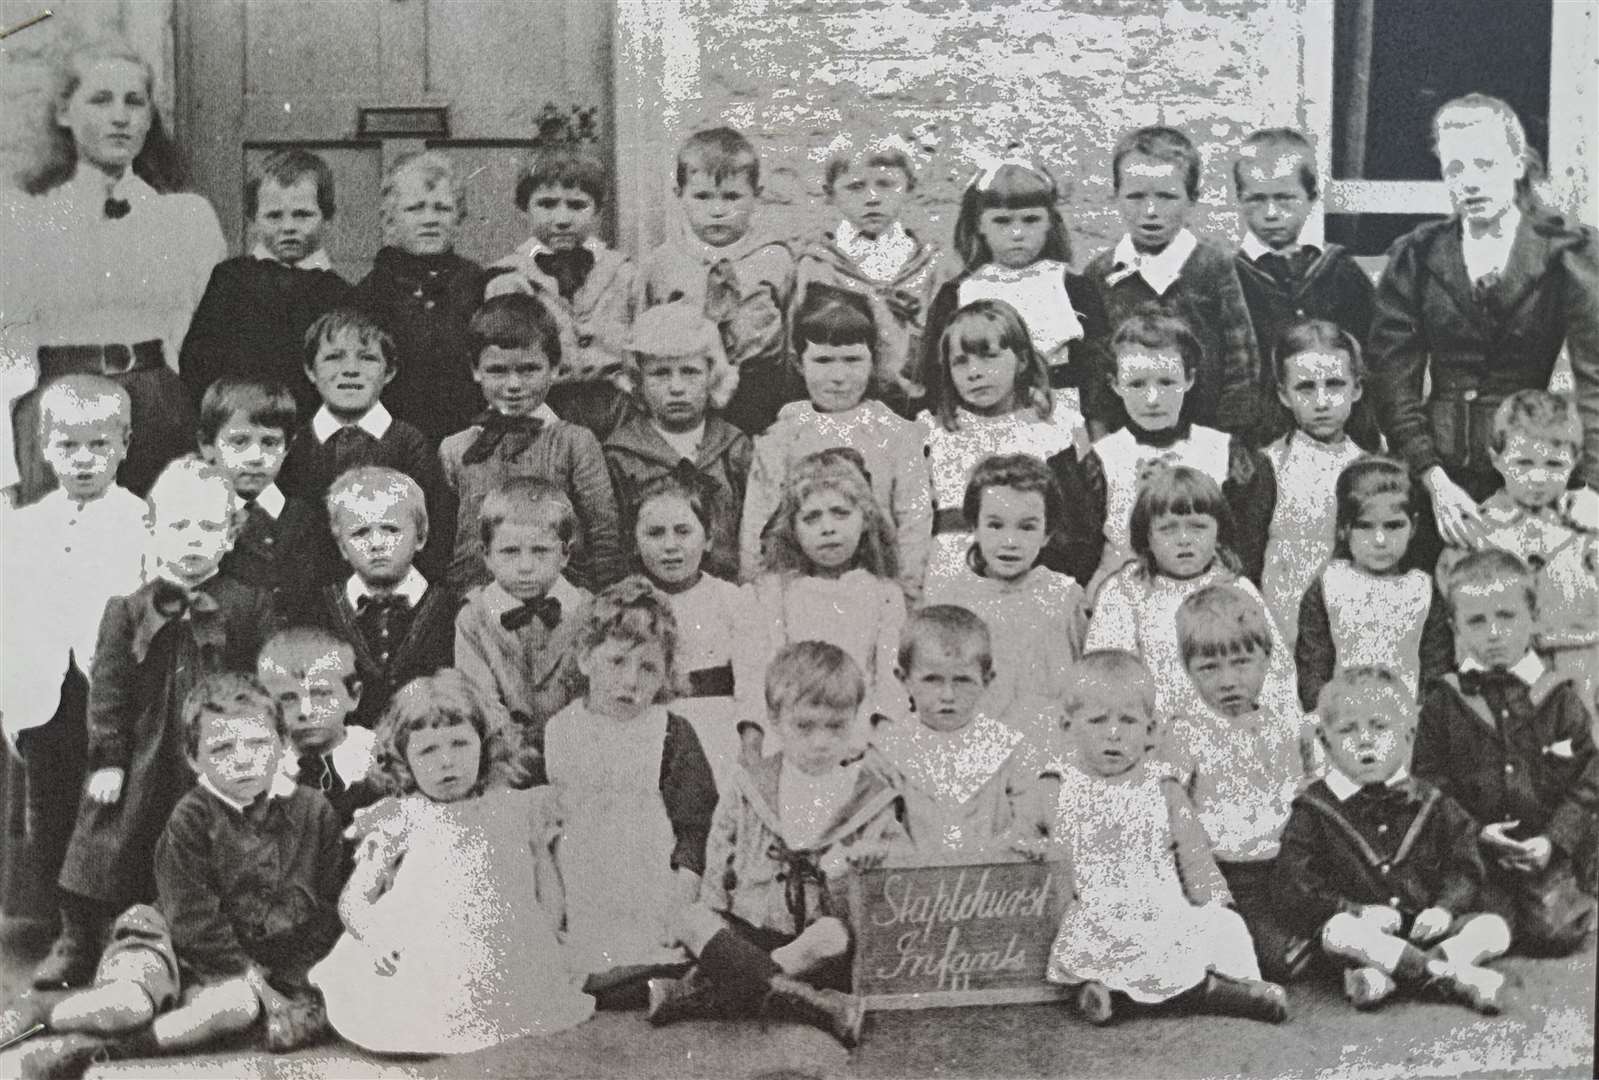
pixel 1012 239
pixel 633 793
pixel 1318 380
pixel 1181 534
pixel 836 345
pixel 989 395
pixel 445 948
pixel 831 578
pixel 1369 606
pixel 1149 918
pixel 1036 617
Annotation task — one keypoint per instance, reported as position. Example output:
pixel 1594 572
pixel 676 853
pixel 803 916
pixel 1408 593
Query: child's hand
pixel 1387 920
pixel 1430 925
pixel 1534 856
pixel 105 786
pixel 1581 508
pixel 1495 835
pixel 1456 514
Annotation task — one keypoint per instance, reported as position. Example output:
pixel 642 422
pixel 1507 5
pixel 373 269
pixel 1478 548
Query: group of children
pixel 611 613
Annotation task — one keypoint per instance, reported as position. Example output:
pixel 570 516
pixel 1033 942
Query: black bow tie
pixel 570 269
pixel 117 208
pixel 546 608
pixel 390 603
pixel 1495 680
pixel 174 601
pixel 497 428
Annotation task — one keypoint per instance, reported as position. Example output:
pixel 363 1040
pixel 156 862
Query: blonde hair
pixel 368 487
pixel 444 699
pixel 84 397
pixel 1360 679
pixel 839 469
pixel 635 612
pixel 189 471
pixel 676 330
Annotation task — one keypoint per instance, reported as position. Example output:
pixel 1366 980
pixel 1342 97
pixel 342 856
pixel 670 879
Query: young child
pixel 224 947
pixel 769 926
pixel 449 942
pixel 1318 377
pixel 400 624
pixel 632 793
pixel 1380 866
pixel 988 394
pixel 252 320
pixel 682 377
pixel 1012 241
pixel 1149 920
pixel 1368 606
pixel 835 343
pixel 1510 740
pixel 742 280
pixel 514 636
pixel 312 676
pixel 349 358
pixel 1537 440
pixel 870 251
pixel 1242 759
pixel 1158 260
pixel 1284 280
pixel 1181 530
pixel 1036 616
pixel 517 346
pixel 423 293
pixel 831 578
pixel 186 621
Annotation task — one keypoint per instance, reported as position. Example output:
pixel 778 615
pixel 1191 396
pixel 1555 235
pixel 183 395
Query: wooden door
pixel 256 75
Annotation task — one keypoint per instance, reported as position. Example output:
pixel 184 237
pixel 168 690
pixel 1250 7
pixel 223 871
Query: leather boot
pixel 1252 999
pixel 840 1015
pixel 69 963
pixel 690 998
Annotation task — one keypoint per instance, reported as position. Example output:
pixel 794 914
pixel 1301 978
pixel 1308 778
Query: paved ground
pixel 1547 1032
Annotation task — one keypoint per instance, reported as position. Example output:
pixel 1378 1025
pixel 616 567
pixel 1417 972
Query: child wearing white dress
pixel 1149 918
pixel 449 945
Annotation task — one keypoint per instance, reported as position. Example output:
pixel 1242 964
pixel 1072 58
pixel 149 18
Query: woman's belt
pixel 115 359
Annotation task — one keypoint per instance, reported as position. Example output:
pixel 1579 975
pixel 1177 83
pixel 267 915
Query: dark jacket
pixel 427 644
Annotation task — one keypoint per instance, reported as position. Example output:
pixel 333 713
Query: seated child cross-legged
pixel 1381 866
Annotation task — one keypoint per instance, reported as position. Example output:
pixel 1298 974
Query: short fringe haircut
pixel 1316 335
pixel 1361 680
pixel 633 611
pixel 1490 566
pixel 1541 414
pixel 1151 327
pixel 1022 472
pixel 226 694
pixel 514 321
pixel 1363 479
pixel 1111 672
pixel 1011 186
pixel 695 491
pixel 367 487
pixel 188 471
pixel 84 397
pixel 444 699
pixel 528 501
pixel 1221 620
pixel 300 649
pixel 1181 490
pixel 367 330
pixel 268 405
pixel 983 328
pixel 839 469
pixel 875 151
pixel 286 168
pixel 1162 144
pixel 1278 143
pixel 562 168
pixel 815 673
pixel 720 153
pixel 950 629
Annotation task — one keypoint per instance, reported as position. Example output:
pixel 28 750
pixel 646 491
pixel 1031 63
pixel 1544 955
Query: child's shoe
pixel 1252 999
pixel 690 998
pixel 70 962
pixel 64 1057
pixel 1367 987
pixel 840 1015
pixel 1469 984
pixel 1094 1002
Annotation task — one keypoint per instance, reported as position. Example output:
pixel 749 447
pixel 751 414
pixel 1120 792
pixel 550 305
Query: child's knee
pixel 1347 933
pixel 1491 933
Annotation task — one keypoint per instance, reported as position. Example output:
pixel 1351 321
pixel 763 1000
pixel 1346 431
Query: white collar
pixel 534 246
pixel 375 422
pixel 1529 669
pixel 1253 247
pixel 498 601
pixel 88 187
pixel 546 414
pixel 282 787
pixel 1161 269
pixel 1343 787
pixel 412 586
pixel 317 260
pixel 271 500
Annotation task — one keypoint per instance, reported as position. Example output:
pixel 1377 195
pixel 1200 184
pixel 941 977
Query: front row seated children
pixel 769 927
pixel 449 935
pixel 224 946
pixel 1380 866
pixel 1149 920
pixel 1511 741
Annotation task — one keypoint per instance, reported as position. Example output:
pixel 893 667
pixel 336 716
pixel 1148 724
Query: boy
pixel 743 282
pixel 224 945
pixel 312 676
pixel 252 319
pixel 400 625
pixel 1158 260
pixel 188 620
pixel 514 637
pixel 350 359
pixel 803 815
pixel 681 372
pixel 423 293
pixel 1381 867
pixel 517 348
pixel 1284 281
pixel 1242 760
pixel 65 556
pixel 1510 740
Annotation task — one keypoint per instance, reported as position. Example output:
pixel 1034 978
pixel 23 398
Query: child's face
pixel 1111 731
pixel 1015 237
pixel 1380 533
pixel 315 697
pixel 1011 531
pixel 1183 545
pixel 1152 385
pixel 238 754
pixel 562 217
pixel 288 220
pixel 985 382
pixel 718 213
pixel 1273 199
pixel 870 196
pixel 1480 169
pixel 836 376
pixel 194 527
pixel 945 685
pixel 1153 201
pixel 249 453
pixel 1230 684
pixel 444 760
pixel 514 381
pixel 1319 389
pixel 422 218
pixel 1493 622
pixel 1535 470
pixel 624 677
pixel 85 454
pixel 676 390
pixel 816 737
pixel 671 541
pixel 1369 737
pixel 828 526
pixel 525 558
pixel 349 375
pixel 378 539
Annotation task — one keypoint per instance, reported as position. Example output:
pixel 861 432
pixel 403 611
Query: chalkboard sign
pixel 934 936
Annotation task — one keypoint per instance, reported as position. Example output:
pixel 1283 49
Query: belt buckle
pixel 111 356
